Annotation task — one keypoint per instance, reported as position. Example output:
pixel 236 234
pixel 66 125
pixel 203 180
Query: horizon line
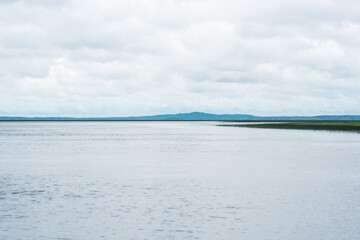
pixel 173 114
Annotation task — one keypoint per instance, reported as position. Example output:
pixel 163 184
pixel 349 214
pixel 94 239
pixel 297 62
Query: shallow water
pixel 176 180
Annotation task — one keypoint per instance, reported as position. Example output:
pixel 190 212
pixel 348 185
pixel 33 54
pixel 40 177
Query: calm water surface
pixel 176 180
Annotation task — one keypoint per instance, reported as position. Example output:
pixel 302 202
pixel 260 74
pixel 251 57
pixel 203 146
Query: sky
pixel 145 57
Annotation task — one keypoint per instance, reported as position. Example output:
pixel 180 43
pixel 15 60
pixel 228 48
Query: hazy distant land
pixel 193 116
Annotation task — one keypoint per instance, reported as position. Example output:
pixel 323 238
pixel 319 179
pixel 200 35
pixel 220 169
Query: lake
pixel 176 180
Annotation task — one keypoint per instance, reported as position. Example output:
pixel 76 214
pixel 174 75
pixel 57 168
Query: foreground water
pixel 176 180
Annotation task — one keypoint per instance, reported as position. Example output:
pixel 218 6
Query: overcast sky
pixel 142 57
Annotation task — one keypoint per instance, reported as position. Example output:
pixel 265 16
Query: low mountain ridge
pixel 193 116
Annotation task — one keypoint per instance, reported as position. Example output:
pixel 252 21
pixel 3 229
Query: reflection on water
pixel 176 180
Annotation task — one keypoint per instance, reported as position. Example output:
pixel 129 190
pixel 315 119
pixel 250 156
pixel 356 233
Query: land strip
pixel 353 126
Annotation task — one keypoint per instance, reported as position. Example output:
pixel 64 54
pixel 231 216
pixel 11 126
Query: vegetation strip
pixel 353 126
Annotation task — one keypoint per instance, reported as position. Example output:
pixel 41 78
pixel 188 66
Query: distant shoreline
pixel 193 120
pixel 193 116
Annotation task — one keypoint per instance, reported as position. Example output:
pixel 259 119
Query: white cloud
pixel 118 58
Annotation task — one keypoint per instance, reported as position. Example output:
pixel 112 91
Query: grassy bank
pixel 352 126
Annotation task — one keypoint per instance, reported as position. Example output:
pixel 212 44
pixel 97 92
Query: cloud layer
pixel 119 58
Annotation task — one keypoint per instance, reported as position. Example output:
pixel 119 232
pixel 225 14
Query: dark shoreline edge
pixel 348 126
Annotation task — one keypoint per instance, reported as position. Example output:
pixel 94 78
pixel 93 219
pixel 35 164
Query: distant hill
pixel 194 116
